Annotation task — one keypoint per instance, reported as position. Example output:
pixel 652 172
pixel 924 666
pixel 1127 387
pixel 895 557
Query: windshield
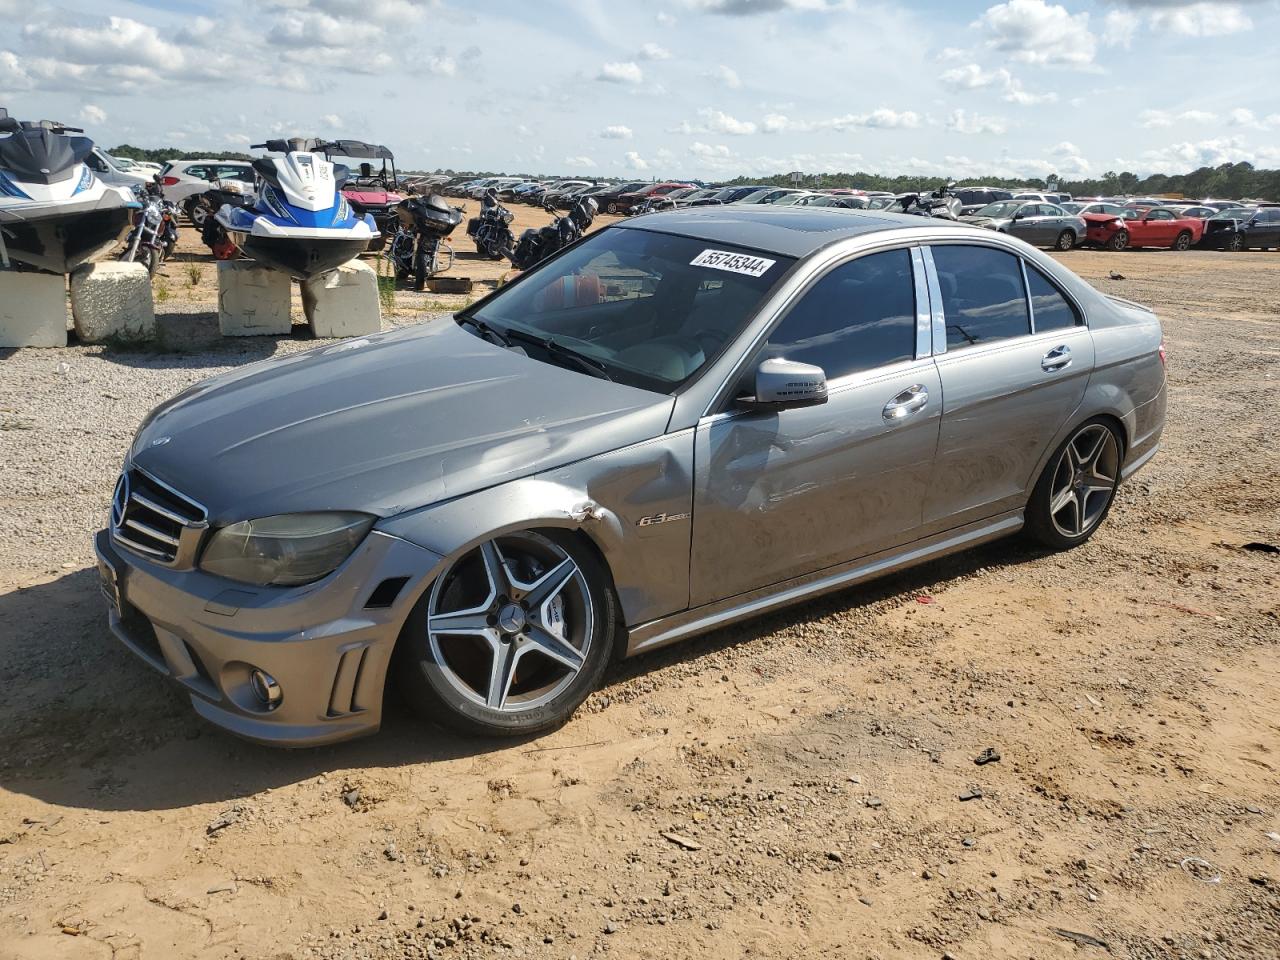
pixel 1003 208
pixel 1236 213
pixel 646 309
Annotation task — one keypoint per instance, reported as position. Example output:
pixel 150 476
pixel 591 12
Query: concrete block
pixel 33 309
pixel 112 301
pixel 252 300
pixel 343 302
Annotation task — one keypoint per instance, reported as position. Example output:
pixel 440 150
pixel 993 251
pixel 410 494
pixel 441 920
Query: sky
pixel 711 89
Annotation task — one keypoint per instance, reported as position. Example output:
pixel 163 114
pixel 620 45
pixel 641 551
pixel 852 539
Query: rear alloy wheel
pixel 511 638
pixel 197 214
pixel 1076 490
pixel 1119 241
pixel 1183 241
pixel 1066 240
pixel 1236 244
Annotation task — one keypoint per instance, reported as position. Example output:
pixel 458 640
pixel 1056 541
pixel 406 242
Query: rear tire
pixel 1119 241
pixel 1066 240
pixel 1183 241
pixel 560 652
pixel 1075 492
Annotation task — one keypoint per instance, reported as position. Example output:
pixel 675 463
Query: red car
pixel 629 201
pixel 1143 227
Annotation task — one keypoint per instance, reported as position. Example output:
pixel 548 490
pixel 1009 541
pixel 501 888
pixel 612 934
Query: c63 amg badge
pixel 661 518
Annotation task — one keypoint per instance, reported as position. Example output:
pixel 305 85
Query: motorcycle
pixel 155 229
pixel 418 248
pixel 491 231
pixel 536 244
pixel 212 233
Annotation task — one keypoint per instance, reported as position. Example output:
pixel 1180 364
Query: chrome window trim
pixel 924 305
pixel 1026 292
pixel 938 317
pixel 1081 321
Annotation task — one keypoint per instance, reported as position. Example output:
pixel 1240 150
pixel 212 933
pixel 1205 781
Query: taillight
pixel 170 181
pixel 1164 362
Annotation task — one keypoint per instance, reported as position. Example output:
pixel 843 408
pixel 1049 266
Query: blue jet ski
pixel 301 223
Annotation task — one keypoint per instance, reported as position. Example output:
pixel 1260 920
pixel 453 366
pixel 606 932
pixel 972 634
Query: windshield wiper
pixel 486 330
pixel 557 349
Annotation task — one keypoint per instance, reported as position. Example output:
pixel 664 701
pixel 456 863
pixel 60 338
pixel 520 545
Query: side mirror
pixel 782 384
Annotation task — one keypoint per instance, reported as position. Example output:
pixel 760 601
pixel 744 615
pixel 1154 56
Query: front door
pixel 781 494
pixel 1008 387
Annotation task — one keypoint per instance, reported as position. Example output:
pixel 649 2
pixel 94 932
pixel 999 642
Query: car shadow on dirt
pixel 88 725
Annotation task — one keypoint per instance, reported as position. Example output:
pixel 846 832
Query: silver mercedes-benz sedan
pixel 678 422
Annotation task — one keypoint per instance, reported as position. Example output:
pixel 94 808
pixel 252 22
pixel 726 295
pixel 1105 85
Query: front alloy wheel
pixel 1119 240
pixel 1076 490
pixel 1236 244
pixel 512 637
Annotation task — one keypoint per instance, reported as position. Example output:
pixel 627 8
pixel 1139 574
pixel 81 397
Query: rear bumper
pixel 325 644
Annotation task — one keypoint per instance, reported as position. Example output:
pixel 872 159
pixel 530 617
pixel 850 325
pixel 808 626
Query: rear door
pixel 1013 368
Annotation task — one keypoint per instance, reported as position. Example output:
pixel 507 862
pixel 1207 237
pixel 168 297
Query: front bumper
pixel 327 644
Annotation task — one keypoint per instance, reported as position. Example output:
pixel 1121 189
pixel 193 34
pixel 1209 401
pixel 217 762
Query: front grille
pixel 150 517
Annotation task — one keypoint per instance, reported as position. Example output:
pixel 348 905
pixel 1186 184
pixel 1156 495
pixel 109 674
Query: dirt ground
pixel 788 787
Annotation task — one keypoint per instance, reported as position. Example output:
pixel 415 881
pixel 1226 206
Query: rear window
pixel 982 295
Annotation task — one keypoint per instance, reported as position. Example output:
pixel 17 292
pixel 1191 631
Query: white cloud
pixel 653 51
pixel 882 118
pixel 949 54
pixel 726 76
pixel 1201 19
pixel 118 41
pixel 313 28
pixel 331 121
pixel 973 77
pixel 92 114
pixel 705 150
pixel 1014 93
pixel 1192 154
pixel 1033 31
pixel 579 162
pixel 1167 118
pixel 961 121
pixel 441 65
pixel 716 121
pixel 1118 28
pixel 747 8
pixel 665 19
pixel 635 161
pixel 616 132
pixel 628 72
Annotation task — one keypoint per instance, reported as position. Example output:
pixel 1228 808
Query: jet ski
pixel 54 213
pixel 301 224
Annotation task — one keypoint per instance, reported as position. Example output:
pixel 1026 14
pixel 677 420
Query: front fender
pixel 634 504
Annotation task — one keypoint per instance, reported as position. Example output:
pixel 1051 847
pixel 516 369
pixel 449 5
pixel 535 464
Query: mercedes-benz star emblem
pixel 120 500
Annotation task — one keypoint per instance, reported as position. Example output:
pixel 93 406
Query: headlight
pixel 287 550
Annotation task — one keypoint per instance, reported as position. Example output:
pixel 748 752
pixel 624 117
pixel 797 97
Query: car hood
pixel 384 424
pixel 983 221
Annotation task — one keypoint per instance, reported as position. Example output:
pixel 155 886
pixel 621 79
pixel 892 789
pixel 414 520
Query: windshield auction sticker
pixel 733 262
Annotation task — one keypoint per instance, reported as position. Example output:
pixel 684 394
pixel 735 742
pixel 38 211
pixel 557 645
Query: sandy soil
pixel 791 787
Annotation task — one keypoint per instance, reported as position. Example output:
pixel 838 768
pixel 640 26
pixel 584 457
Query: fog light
pixel 266 688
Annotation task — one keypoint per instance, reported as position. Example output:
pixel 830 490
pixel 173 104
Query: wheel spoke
pixel 549 584
pixel 495 568
pixel 501 672
pixel 1061 499
pixel 549 645
pixel 1087 460
pixel 469 622
pixel 1077 502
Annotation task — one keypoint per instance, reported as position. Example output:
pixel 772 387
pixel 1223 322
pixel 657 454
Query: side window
pixel 200 173
pixel 982 295
pixel 1049 308
pixel 1161 215
pixel 859 316
pixel 94 162
pixel 1050 210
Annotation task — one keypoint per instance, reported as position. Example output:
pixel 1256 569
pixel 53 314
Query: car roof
pixel 188 163
pixel 789 231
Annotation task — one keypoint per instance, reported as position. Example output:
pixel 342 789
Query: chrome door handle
pixel 911 400
pixel 1059 358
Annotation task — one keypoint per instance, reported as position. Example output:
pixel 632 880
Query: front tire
pixel 1066 240
pixel 1119 241
pixel 511 637
pixel 1236 244
pixel 1075 492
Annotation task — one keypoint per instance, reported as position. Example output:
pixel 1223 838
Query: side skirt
pixel 659 633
